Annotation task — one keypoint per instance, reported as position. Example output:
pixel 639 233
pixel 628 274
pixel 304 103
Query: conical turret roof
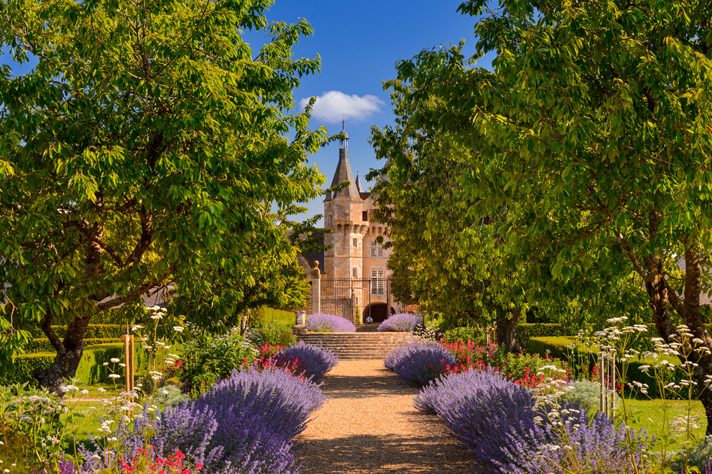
pixel 344 173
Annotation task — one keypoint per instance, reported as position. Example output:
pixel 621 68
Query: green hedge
pixel 527 331
pixel 94 331
pixel 285 317
pixel 42 344
pixel 559 347
pixel 90 370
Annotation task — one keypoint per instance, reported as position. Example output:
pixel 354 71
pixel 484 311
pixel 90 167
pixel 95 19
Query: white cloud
pixel 333 106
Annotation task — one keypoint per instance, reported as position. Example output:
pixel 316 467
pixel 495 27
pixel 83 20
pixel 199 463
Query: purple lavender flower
pixel 494 419
pixel 595 445
pixel 418 363
pixel 321 322
pixel 317 360
pixel 481 409
pixel 244 424
pixel 399 322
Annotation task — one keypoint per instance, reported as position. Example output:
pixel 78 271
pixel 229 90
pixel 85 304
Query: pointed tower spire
pixel 343 171
pixel 358 183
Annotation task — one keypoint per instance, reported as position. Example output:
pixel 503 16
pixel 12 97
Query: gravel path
pixel 369 425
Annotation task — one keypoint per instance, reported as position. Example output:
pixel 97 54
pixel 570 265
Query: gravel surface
pixel 369 425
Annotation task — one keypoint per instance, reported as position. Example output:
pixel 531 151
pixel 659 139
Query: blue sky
pixel 359 43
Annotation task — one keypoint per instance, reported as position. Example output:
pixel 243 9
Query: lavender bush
pixel 494 419
pixel 245 424
pixel 594 446
pixel 322 322
pixel 418 363
pixel 482 410
pixel 317 360
pixel 400 322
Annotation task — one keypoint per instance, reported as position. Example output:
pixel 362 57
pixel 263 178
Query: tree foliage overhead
pixel 148 146
pixel 442 255
pixel 594 129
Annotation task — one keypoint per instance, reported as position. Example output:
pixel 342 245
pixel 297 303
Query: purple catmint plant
pixel 322 322
pixel 482 410
pixel 244 424
pixel 317 360
pixel 400 322
pixel 418 363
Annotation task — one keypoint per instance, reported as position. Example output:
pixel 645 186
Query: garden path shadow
pixel 369 425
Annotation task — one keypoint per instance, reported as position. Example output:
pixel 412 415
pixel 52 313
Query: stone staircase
pixel 358 345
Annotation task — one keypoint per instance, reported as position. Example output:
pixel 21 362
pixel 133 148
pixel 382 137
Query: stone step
pixel 358 346
pixel 365 336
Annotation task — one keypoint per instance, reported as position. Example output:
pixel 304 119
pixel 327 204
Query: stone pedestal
pixel 299 330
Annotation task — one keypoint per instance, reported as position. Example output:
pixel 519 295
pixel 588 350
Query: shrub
pixel 522 368
pixel 321 322
pixel 566 346
pixel 586 394
pixel 425 332
pixel 277 333
pixel 94 331
pixel 169 395
pixel 482 410
pixel 494 419
pixel 526 331
pixel 208 359
pixel 700 456
pixel 418 363
pixel 43 345
pixel 592 446
pixel 463 334
pixel 318 361
pixel 245 424
pixel 468 352
pixel 255 337
pixel 400 322
pixel 89 371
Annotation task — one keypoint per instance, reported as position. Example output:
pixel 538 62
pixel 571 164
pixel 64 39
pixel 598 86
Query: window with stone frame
pixel 376 250
pixel 378 285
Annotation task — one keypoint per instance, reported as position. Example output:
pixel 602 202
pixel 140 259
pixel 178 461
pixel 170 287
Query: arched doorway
pixel 378 311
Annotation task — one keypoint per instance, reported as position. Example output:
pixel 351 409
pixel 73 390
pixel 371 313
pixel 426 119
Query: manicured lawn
pixel 649 414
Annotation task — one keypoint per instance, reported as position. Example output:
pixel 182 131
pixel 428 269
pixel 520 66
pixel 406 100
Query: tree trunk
pixel 69 354
pixel 507 337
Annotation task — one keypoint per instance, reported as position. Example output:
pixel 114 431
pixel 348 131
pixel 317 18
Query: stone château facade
pixel 354 272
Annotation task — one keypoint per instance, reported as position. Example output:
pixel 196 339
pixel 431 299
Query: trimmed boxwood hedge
pixel 558 347
pixel 41 344
pixel 526 331
pixel 94 331
pixel 90 370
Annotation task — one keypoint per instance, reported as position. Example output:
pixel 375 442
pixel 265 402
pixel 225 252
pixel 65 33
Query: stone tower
pixel 343 213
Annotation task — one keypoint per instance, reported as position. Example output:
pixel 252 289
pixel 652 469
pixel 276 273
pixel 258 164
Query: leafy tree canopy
pixel 593 128
pixel 149 146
